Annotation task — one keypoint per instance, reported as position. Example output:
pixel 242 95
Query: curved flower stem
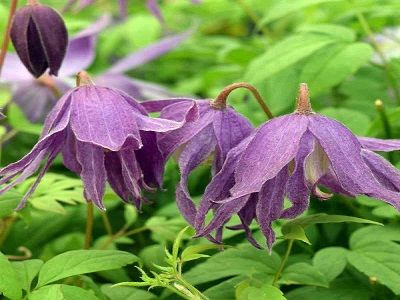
pixel 6 38
pixel 89 226
pixel 220 101
pixel 367 29
pixel 283 262
pixel 25 251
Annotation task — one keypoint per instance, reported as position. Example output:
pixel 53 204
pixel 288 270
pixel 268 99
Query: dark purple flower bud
pixel 217 130
pixel 292 156
pixel 40 38
pixel 103 135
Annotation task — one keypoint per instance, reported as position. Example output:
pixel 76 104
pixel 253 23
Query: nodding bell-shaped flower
pixel 218 129
pixel 40 38
pixel 103 135
pixel 292 156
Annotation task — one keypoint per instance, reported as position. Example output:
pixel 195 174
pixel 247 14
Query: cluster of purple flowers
pixel 105 135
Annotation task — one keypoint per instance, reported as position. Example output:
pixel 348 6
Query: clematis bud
pixel 40 38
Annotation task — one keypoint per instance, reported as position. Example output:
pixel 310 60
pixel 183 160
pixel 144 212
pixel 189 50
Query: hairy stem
pixel 89 226
pixel 6 38
pixel 107 224
pixel 220 101
pixel 283 262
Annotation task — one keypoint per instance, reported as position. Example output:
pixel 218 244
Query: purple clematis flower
pixel 36 97
pixel 103 135
pixel 291 156
pixel 218 129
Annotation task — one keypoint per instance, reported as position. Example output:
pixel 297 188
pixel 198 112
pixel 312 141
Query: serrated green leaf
pixel 177 243
pixel 284 8
pixel 283 55
pixel 27 271
pixel 304 274
pixel 372 234
pixel 330 261
pixel 10 284
pixel 81 262
pixel 62 292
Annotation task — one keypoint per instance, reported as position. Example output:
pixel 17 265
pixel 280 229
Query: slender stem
pixel 89 226
pixel 6 38
pixel 176 291
pixel 107 224
pixel 220 101
pixel 283 262
pixel 367 29
pixel 253 16
pixel 191 288
pixel 26 254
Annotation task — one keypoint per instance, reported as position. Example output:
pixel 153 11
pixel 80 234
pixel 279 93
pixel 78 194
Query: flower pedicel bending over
pixel 103 135
pixel 291 156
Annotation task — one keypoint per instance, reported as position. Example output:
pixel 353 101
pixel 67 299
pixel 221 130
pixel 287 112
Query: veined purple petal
pixel 93 173
pixel 81 50
pixel 158 105
pixel 132 175
pixel 270 204
pixel 297 190
pixel 375 144
pixel 148 53
pixel 195 152
pixel 61 111
pixel 344 152
pixel 69 152
pixel 383 171
pixel 102 117
pixel 230 129
pixel 281 136
pixel 114 175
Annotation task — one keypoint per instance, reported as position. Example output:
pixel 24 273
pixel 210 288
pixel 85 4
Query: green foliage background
pixel 275 45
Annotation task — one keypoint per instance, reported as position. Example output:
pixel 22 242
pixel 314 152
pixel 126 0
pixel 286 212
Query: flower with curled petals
pixel 218 129
pixel 292 156
pixel 103 135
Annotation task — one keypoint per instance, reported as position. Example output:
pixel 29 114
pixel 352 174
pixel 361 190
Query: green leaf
pixel 244 260
pixel 284 8
pixel 330 261
pixel 380 261
pixel 330 66
pixel 8 202
pixel 244 291
pixel 285 54
pixel 18 121
pixel 81 262
pixel 189 253
pixel 62 292
pixel 304 274
pixel 10 284
pixel 356 121
pixel 372 234
pixel 27 271
pixel 163 229
pixel 126 293
pixel 343 289
pixel 295 232
pixel 177 243
pixel 130 214
pixel 340 33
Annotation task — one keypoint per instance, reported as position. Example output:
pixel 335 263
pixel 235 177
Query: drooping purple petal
pixel 148 53
pixel 270 204
pixel 105 120
pixel 69 152
pixel 297 190
pixel 344 152
pixel 93 172
pixel 374 144
pixel 383 171
pixel 195 152
pixel 114 175
pixel 281 136
pixel 132 175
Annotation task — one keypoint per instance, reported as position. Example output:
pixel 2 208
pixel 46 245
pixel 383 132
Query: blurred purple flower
pixel 123 6
pixel 292 156
pixel 103 135
pixel 37 96
pixel 217 130
pixel 40 38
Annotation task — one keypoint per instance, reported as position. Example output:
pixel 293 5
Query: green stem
pixel 191 288
pixel 283 262
pixel 107 224
pixel 6 38
pixel 367 29
pixel 176 291
pixel 89 226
